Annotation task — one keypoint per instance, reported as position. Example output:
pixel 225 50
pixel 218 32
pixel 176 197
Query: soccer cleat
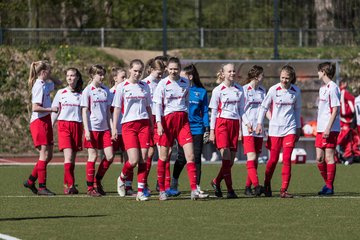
pixel 217 189
pixel 45 192
pixel 146 192
pixel 199 189
pixel 325 191
pixel 195 195
pixel 284 194
pixel 121 187
pixel 93 193
pixel 99 188
pixel 70 190
pixel 172 192
pixel 258 190
pixel 163 196
pixel 248 192
pixel 141 197
pixel 31 187
pixel 231 194
pixel 130 192
pixel 267 191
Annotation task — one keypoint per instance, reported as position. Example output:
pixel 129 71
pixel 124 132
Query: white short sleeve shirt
pixel 40 94
pixel 68 103
pixel 153 83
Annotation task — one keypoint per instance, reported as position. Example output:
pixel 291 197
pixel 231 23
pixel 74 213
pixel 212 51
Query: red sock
pixel 102 169
pixel 270 166
pixel 68 179
pixel 34 175
pixel 191 170
pixel 167 175
pixel 90 172
pixel 286 168
pixel 219 177
pixel 226 164
pixel 331 172
pixel 252 174
pixel 148 168
pixel 129 179
pixel 72 172
pixel 161 175
pixel 41 167
pixel 141 176
pixel 323 170
pixel 125 172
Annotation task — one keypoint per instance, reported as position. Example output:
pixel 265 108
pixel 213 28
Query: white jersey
pixel 329 97
pixel 153 83
pixel 40 94
pixel 226 102
pixel 172 95
pixel 68 103
pixel 357 110
pixel 285 106
pixel 132 99
pixel 112 95
pixel 253 99
pixel 97 100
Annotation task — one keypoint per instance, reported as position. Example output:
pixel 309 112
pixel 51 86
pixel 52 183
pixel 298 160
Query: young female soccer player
pixel 199 125
pixel 171 98
pixel 95 103
pixel 254 96
pixel 227 108
pixel 40 124
pixel 133 99
pixel 328 126
pixel 67 102
pixel 154 74
pixel 284 100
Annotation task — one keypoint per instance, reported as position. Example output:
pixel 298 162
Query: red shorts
pixel 329 142
pixel 227 133
pixel 252 144
pixel 118 145
pixel 99 140
pixel 154 139
pixel 176 126
pixel 70 135
pixel 276 143
pixel 136 134
pixel 42 131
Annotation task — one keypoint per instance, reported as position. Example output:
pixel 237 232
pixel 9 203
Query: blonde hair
pixel 153 64
pixel 220 74
pixel 114 72
pixel 35 69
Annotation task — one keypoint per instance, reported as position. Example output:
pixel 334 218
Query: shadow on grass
pixel 49 217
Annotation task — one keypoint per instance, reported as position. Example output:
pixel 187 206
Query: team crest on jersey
pixel 197 94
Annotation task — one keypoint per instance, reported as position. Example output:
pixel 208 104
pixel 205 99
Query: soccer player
pixel 155 71
pixel 284 100
pixel 199 125
pixel 95 103
pixel 328 126
pixel 133 100
pixel 40 124
pixel 254 95
pixel 67 103
pixel 172 100
pixel 227 108
pixel 357 111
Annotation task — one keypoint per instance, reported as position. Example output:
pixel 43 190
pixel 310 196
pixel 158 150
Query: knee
pixel 320 159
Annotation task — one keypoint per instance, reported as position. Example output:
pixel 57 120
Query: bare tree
pixel 324 10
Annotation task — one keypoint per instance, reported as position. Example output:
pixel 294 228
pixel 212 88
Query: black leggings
pixel 181 161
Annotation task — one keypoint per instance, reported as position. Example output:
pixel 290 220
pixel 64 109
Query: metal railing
pixel 151 39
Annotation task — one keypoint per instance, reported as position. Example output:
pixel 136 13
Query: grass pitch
pixel 26 216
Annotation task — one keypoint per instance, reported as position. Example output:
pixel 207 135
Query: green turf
pixel 307 216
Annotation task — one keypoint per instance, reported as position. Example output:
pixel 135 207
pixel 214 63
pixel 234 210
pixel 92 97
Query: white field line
pixel 7 237
pixel 155 197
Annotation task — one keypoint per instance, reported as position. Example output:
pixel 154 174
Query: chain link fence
pixel 151 39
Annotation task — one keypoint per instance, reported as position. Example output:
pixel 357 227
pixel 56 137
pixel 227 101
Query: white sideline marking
pixel 7 237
